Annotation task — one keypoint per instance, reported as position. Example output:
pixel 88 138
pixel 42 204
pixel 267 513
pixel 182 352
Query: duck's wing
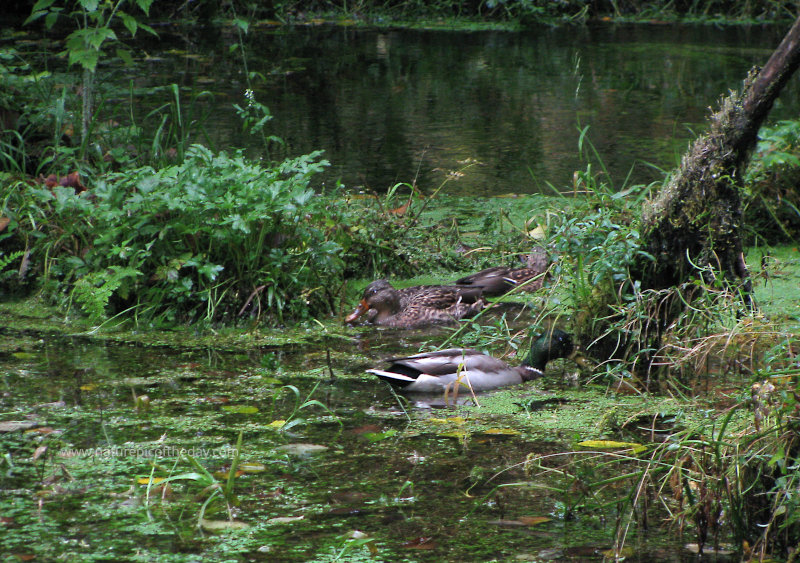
pixel 418 315
pixel 492 281
pixel 439 296
pixel 500 280
pixel 441 362
pixel 446 369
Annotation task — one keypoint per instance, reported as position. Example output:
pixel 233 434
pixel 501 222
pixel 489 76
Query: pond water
pixel 420 482
pixel 504 108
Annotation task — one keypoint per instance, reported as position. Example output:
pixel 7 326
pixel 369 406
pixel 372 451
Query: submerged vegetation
pixel 131 227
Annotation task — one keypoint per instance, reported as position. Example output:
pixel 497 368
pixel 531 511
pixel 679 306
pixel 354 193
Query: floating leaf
pixel 420 543
pixel 225 473
pixel 240 409
pixel 448 420
pixel 24 355
pixel 612 445
pixel 222 525
pixel 284 519
pixel 252 467
pixel 502 431
pixel 41 430
pixel 367 429
pixel 533 520
pixel 378 436
pixel 14 425
pixel 454 434
pixel 301 449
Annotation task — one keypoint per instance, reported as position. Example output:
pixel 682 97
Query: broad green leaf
pixel 148 29
pixel 42 5
pixel 87 58
pixel 130 23
pixel 244 25
pixel 96 37
pixel 35 16
pixel 125 56
pixel 144 5
pixel 51 19
pixel 89 5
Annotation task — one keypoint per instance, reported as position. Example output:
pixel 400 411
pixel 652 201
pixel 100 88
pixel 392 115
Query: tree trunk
pixel 692 228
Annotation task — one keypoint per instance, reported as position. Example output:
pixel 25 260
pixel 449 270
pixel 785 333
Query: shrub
pixel 190 241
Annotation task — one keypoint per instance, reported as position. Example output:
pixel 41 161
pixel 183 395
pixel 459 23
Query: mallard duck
pixel 497 281
pixel 418 305
pixel 445 369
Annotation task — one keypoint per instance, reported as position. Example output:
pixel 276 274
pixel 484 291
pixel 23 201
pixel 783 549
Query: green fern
pixel 93 291
pixel 6 260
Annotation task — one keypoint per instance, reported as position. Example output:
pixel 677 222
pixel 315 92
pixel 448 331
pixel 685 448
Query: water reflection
pixel 503 108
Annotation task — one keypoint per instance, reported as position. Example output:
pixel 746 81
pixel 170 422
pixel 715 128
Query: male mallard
pixel 445 369
pixel 418 305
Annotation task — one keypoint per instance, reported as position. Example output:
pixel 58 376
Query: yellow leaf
pixel 533 520
pixel 252 467
pixel 454 434
pixel 538 233
pixel 88 387
pixel 502 431
pixel 146 480
pixel 277 423
pixel 612 445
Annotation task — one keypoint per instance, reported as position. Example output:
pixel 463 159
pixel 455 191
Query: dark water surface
pixel 420 481
pixel 397 105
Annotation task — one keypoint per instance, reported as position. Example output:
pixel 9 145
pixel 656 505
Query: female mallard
pixel 494 282
pixel 416 306
pixel 446 369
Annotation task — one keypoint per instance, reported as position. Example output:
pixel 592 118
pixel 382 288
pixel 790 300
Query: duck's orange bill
pixel 360 310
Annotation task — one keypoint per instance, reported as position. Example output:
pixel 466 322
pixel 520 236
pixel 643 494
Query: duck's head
pixel 380 296
pixel 551 345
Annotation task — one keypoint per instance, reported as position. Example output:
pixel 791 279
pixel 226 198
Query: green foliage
pixel 94 290
pixel 84 46
pixel 771 202
pixel 93 18
pixel 213 238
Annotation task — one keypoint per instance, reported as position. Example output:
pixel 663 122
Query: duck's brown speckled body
pixel 417 306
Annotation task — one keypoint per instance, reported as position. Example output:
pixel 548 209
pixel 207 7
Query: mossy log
pixel 692 228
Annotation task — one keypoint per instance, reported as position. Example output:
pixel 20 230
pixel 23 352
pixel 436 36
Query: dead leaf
pixel 420 543
pixel 221 525
pixel 14 425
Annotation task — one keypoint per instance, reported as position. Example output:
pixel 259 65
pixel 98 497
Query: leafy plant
pixel 770 206
pixel 85 45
